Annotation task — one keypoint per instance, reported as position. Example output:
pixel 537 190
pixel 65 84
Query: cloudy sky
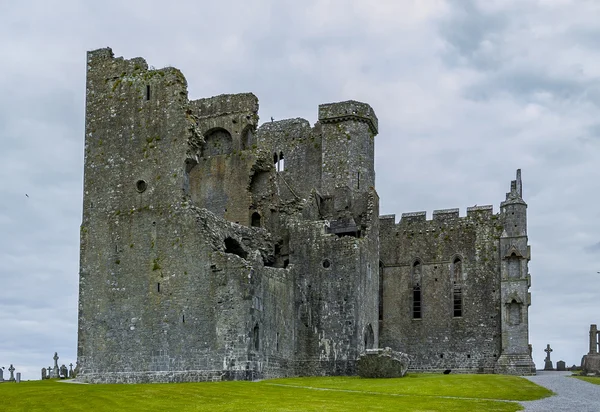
pixel 466 92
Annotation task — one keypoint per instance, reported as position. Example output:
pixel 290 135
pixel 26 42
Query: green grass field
pixel 416 392
pixel 591 379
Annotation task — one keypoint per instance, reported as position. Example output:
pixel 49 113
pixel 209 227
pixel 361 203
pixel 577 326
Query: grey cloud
pixel 465 30
pixel 595 248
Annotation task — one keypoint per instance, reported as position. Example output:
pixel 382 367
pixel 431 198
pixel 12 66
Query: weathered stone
pixel 11 369
pixel 561 366
pixel 44 376
pixel 382 363
pixel 214 249
pixel 547 362
pixel 55 369
pixel 64 372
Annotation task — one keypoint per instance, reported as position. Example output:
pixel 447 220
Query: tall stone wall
pixel 437 337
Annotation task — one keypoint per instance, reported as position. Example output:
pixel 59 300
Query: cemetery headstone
pixel 55 369
pixel 547 361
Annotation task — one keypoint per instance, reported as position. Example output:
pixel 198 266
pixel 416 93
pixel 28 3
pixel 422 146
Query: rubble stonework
pixel 382 363
pixel 214 249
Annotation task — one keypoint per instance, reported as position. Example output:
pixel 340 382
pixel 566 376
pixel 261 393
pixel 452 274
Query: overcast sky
pixel 466 92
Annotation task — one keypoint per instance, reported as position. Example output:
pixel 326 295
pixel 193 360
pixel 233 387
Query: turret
pixel 349 130
pixel 514 283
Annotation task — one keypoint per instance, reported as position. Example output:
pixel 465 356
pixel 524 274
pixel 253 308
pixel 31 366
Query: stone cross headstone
pixel 18 377
pixel 71 370
pixel 2 374
pixel 12 373
pixel 547 361
pixel 43 373
pixel 561 366
pixel 55 369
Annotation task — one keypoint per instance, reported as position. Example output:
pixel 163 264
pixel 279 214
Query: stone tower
pixel 515 281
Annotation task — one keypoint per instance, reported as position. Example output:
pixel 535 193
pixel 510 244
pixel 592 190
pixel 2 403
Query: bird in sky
pixel 26 195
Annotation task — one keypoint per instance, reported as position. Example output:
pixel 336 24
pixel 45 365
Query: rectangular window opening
pixel 158 287
pixel 148 92
pixel 416 303
pixel 457 296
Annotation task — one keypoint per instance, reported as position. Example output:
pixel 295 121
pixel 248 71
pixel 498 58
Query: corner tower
pixel 349 130
pixel 515 281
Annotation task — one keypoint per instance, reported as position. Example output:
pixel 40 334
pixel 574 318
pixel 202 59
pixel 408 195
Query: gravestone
pixel 12 373
pixel 1 375
pixel 561 366
pixel 55 369
pixel 76 370
pixel 18 377
pixel 64 373
pixel 547 361
pixel 44 373
pixel 71 370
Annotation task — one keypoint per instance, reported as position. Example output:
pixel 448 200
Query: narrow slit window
pixel 457 301
pixel 256 338
pixel 417 302
pixel 148 92
pixel 457 297
pixel 158 287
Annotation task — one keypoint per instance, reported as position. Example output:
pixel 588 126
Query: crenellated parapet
pixel 447 216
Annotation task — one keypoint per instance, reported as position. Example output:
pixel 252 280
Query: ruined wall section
pixel 168 292
pixel 222 162
pixel 436 339
pixel 334 276
pixel 136 133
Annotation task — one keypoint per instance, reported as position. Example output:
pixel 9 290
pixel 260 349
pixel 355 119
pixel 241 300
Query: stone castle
pixel 214 249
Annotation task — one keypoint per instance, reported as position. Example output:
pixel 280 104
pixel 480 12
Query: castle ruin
pixel 214 249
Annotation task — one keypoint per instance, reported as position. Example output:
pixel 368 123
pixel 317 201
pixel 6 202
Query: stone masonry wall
pixel 439 340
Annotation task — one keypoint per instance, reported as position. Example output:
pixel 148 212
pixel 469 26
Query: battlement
pixel 349 110
pixel 226 104
pixel 106 54
pixel 440 215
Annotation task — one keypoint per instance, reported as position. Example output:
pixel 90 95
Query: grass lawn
pixel 416 392
pixel 591 379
